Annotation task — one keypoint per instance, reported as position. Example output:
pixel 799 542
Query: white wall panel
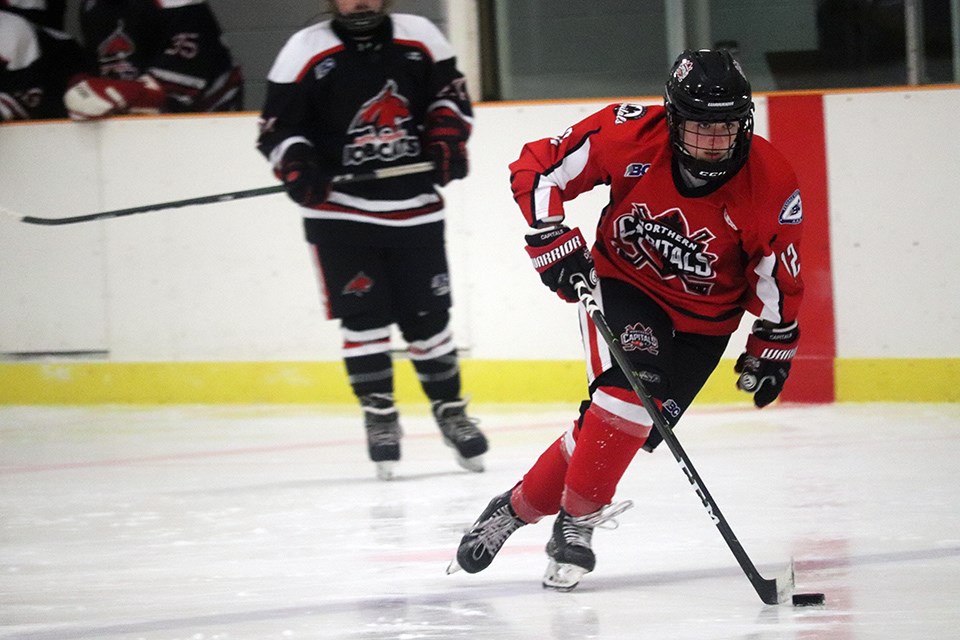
pixel 52 280
pixel 893 161
pixel 235 281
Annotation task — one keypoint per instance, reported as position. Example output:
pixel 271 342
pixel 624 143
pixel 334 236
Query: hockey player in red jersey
pixel 371 90
pixel 153 56
pixel 703 223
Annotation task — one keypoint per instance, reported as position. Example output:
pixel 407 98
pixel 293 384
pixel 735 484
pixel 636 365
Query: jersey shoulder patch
pixel 303 49
pixel 419 31
pixel 626 111
pixel 792 211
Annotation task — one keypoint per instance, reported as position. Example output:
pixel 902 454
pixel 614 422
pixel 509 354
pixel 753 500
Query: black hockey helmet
pixel 362 22
pixel 709 86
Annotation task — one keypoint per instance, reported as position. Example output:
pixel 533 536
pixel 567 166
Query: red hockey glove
pixel 445 139
pixel 306 183
pixel 90 98
pixel 765 364
pixel 558 253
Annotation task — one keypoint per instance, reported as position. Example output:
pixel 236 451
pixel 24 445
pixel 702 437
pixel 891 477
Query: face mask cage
pixel 701 165
pixel 359 22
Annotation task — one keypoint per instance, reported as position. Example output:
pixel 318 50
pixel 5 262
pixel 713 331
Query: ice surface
pixel 202 523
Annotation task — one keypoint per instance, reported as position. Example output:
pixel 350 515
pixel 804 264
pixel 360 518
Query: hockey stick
pixel 346 178
pixel 770 591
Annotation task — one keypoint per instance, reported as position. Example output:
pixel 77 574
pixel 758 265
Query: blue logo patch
pixel 636 169
pixel 792 211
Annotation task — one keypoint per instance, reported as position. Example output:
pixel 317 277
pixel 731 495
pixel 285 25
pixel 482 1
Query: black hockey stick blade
pixel 771 591
pixel 347 178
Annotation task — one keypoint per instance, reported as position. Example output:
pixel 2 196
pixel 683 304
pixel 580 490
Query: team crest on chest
pixel 665 243
pixel 115 52
pixel 379 131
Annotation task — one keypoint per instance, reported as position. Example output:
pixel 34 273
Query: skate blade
pixel 562 577
pixel 474 464
pixel 386 469
pixel 453 567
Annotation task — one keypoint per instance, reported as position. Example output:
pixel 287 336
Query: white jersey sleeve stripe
pixel 558 178
pixel 450 104
pixel 767 290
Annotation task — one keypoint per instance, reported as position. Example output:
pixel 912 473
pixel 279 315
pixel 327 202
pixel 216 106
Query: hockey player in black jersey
pixel 363 91
pixel 153 56
pixel 35 65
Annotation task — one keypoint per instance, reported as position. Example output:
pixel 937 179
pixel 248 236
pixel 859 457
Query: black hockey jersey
pixel 177 42
pixel 35 64
pixel 363 106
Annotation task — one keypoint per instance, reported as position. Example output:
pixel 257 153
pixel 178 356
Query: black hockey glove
pixel 450 160
pixel 306 183
pixel 765 363
pixel 558 253
pixel 445 144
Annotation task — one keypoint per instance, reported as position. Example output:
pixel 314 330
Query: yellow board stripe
pixel 508 381
pixel 889 380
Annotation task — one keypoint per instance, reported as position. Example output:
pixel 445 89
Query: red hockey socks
pixel 605 447
pixel 538 494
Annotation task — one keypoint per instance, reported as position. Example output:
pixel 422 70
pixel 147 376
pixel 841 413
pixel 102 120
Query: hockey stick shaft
pixel 347 178
pixel 767 589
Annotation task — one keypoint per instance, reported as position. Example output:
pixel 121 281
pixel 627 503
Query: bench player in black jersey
pixel 153 56
pixel 369 90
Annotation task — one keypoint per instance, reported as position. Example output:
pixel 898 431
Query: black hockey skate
pixel 571 556
pixel 480 545
pixel 383 432
pixel 461 433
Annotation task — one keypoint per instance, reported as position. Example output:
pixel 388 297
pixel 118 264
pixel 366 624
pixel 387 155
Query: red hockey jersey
pixel 705 256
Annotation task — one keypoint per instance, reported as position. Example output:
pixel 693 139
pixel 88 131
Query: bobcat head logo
pixel 378 130
pixel 385 113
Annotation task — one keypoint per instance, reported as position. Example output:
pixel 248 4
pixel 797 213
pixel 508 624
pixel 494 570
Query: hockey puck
pixel 808 599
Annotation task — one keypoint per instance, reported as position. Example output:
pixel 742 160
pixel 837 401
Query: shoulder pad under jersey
pixel 301 50
pixel 418 29
pixel 19 46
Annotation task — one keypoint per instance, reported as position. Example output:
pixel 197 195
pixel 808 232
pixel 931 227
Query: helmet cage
pixel 360 22
pixel 709 86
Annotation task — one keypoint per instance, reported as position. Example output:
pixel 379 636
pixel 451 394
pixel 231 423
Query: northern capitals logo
pixel 665 243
